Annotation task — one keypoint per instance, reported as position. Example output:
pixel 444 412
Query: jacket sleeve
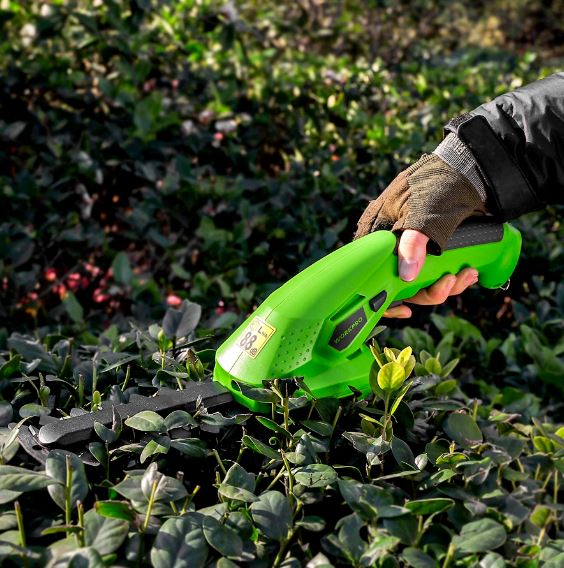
pixel 518 142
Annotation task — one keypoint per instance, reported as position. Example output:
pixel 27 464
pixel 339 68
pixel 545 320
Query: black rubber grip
pixel 476 231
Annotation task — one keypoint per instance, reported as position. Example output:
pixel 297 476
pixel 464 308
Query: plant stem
pixel 127 377
pixel 290 478
pixel 276 479
pixel 214 452
pixel 449 556
pixel 80 535
pixel 21 529
pixel 68 491
pixel 150 505
pixel 189 500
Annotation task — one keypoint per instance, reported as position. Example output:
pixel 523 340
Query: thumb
pixel 412 250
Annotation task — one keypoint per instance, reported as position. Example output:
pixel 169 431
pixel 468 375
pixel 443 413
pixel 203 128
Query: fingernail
pixel 408 269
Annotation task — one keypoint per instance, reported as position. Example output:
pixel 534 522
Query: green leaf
pixel 104 433
pixel 104 534
pixel 540 516
pixel 316 475
pixel 433 366
pixel 402 452
pixel 445 387
pixel 237 476
pixel 236 493
pixel 82 557
pixel 11 367
pixel 463 429
pixel 391 376
pixel 480 536
pixel 543 444
pixel 33 409
pixel 180 322
pixel 73 307
pixel 224 539
pixel 272 515
pixel 115 510
pixel 429 506
pixel 56 468
pixel 179 419
pixel 403 527
pixel 379 546
pixel 417 558
pixel 190 447
pixel 256 393
pixel 260 448
pixel 322 428
pixel 399 397
pixel 20 479
pixel 146 421
pixel 271 425
pixel 121 269
pixel 158 445
pixel 180 543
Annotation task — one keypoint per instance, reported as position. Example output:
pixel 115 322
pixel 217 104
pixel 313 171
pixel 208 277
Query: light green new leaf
pixel 391 376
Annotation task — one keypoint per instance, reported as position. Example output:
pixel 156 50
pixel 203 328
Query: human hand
pixel 412 250
pixel 425 204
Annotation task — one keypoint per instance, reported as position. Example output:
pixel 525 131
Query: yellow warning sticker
pixel 255 336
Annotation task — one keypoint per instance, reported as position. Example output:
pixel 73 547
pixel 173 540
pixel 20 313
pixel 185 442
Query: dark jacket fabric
pixel 518 142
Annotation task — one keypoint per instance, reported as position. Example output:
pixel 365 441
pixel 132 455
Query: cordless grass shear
pixel 318 324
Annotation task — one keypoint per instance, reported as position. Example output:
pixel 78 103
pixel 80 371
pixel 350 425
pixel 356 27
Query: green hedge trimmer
pixel 316 326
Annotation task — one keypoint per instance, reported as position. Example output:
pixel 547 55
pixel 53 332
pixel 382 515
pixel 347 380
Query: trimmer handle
pixel 487 245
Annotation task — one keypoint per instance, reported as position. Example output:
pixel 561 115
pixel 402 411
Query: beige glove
pixel 430 197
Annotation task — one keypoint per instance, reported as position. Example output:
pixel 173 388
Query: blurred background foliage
pixel 156 150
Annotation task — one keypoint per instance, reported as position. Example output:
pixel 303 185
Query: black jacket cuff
pixel 508 188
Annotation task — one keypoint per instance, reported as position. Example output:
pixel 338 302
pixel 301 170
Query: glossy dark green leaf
pixel 190 447
pixel 480 536
pixel 103 533
pixel 180 543
pixel 56 468
pixel 224 539
pixel 236 493
pixel 146 421
pixel 316 475
pixel 20 479
pixel 416 558
pixel 83 557
pixel 237 476
pixel 272 515
pixel 260 448
pixel 463 429
pixel 179 419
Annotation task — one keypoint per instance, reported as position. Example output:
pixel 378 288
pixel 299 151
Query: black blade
pixel 77 429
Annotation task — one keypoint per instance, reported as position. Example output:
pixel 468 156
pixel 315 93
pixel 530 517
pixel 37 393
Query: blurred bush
pixel 152 151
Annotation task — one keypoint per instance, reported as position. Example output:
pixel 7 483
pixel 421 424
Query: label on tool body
pixel 255 336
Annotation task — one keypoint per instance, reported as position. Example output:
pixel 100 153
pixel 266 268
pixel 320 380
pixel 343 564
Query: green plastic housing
pixel 316 326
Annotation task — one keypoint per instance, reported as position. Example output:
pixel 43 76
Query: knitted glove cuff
pixel 457 155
